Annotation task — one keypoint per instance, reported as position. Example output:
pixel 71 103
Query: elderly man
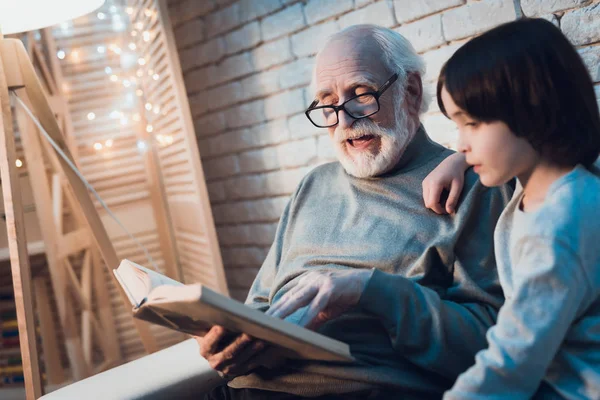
pixel 356 254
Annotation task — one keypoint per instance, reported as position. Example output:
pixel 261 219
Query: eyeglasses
pixel 361 106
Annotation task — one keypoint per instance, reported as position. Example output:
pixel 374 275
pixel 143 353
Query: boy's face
pixel 495 153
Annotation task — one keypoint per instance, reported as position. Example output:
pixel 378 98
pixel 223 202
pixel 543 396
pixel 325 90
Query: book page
pixel 138 281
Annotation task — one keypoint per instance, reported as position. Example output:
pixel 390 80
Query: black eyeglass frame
pixel 337 109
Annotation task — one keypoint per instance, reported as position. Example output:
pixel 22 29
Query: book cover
pixel 194 309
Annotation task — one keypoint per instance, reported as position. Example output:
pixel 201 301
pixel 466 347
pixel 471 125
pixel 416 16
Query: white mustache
pixel 364 129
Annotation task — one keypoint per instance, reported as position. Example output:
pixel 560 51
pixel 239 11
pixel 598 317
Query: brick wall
pixel 247 66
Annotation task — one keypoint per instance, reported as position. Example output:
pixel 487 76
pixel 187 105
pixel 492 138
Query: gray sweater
pixel 548 330
pixel 434 292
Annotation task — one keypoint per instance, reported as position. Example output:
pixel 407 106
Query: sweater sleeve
pixel 550 292
pixel 442 330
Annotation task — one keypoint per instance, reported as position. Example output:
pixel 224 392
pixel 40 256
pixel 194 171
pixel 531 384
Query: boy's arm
pixel 449 175
pixel 551 290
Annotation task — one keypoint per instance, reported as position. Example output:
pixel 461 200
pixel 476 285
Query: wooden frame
pixel 19 258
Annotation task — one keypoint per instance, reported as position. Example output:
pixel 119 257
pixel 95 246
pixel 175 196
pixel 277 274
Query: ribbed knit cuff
pixel 383 294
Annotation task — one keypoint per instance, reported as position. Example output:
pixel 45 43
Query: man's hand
pixel 327 294
pixel 449 175
pixel 229 353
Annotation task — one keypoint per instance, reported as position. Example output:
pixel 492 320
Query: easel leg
pixel 54 369
pixel 51 235
pixel 17 244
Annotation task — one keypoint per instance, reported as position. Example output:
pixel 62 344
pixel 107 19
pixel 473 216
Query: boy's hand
pixel 449 175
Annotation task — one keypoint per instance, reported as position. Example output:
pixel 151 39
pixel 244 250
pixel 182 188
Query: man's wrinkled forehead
pixel 347 59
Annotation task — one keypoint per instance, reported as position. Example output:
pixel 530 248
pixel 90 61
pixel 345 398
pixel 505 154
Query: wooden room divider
pixel 151 176
pixel 177 153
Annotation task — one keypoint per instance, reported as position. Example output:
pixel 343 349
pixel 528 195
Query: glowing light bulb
pixel 101 16
pixel 117 25
pixel 108 70
pixel 98 146
pixel 148 12
pixel 141 145
pixel 132 46
pixel 18 163
pixel 146 36
pixel 155 77
pixel 114 78
pixel 149 128
pixel 148 106
pixel 142 61
pixel 61 54
pixel 91 116
pixel 101 49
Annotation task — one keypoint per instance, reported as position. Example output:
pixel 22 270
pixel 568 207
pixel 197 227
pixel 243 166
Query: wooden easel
pixel 17 74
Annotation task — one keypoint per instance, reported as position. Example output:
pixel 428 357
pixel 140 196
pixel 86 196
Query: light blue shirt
pixel 548 331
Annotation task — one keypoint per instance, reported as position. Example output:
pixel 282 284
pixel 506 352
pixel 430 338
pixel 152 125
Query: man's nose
pixel 344 120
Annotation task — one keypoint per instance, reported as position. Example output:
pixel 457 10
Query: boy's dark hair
pixel 526 74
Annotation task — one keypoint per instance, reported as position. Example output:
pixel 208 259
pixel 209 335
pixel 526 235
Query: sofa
pixel 177 372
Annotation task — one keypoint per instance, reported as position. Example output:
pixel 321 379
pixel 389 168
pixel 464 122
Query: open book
pixel 194 309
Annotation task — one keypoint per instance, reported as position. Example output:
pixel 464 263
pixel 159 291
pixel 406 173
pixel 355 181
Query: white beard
pixel 393 144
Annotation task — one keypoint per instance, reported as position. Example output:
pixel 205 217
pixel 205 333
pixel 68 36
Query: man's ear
pixel 414 93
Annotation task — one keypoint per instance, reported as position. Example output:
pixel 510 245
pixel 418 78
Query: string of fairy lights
pixel 133 69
